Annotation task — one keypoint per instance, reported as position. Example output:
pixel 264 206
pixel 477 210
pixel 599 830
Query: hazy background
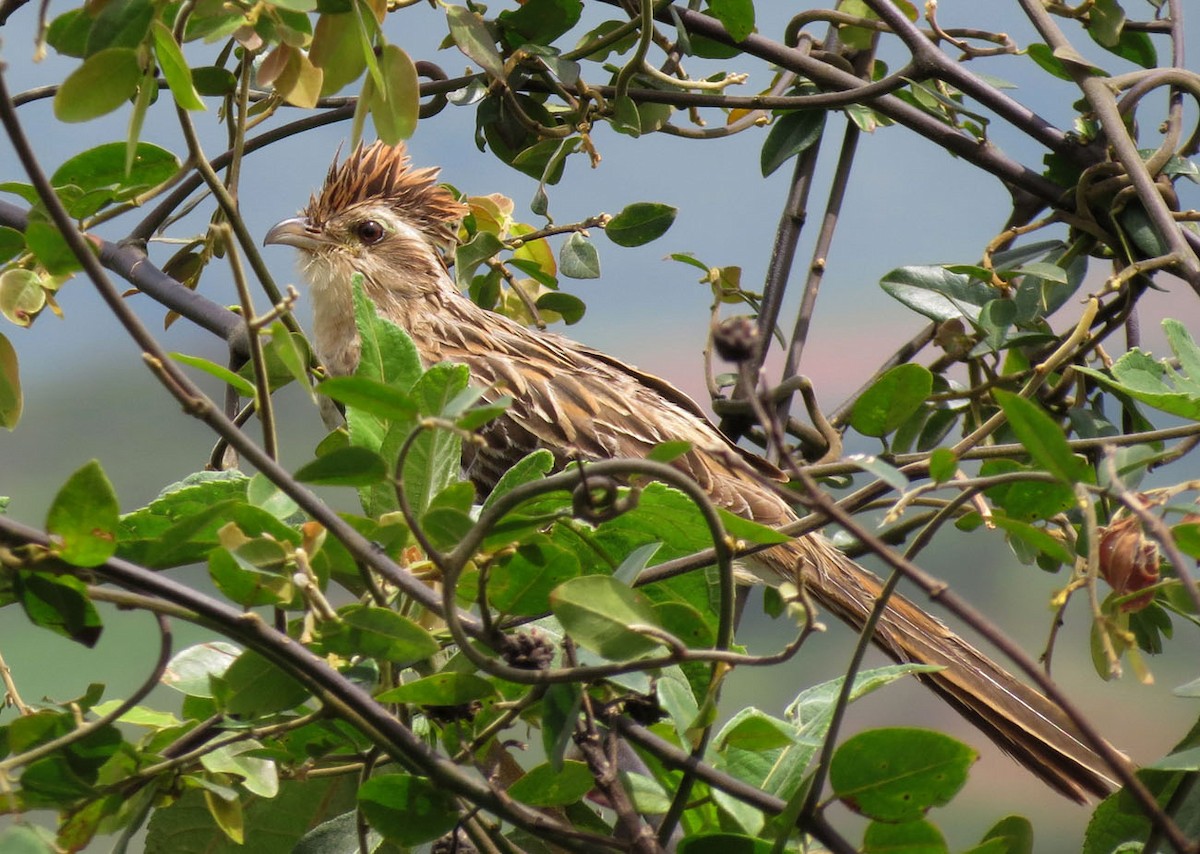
pixel 88 396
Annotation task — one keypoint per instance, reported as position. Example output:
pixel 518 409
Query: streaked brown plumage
pixel 378 216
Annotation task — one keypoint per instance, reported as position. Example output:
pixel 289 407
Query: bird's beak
pixel 298 232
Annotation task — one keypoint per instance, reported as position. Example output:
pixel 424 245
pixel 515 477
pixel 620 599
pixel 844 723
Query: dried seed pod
pixel 528 650
pixel 1129 561
pixel 736 339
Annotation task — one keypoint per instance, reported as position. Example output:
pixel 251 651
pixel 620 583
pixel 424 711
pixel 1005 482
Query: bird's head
pixel 378 216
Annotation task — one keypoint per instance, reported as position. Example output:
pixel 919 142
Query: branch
pixel 129 261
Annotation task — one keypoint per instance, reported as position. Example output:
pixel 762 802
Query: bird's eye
pixel 369 232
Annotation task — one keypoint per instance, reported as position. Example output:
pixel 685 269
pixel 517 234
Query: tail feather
pixel 1020 720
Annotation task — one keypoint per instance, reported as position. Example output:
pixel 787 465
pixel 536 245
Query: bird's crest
pixel 384 173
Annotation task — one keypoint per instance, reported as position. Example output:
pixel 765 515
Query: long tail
pixel 1023 722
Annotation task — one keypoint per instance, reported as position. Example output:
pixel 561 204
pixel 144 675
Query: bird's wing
pixel 580 403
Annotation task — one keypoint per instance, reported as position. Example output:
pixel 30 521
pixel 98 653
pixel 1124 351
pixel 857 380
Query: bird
pixel 379 216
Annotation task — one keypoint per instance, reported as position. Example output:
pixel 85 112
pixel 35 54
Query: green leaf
pixel 736 16
pixel 254 686
pixel 578 258
pixel 104 81
pixel 538 22
pixel 1043 270
pixel 570 308
pixel 560 709
pixel 1181 760
pixel 634 562
pixel 546 786
pixel 640 223
pixel 67 775
pixel 394 107
pixel 68 33
pixel 248 585
pixel 445 527
pixel 22 296
pixel 49 246
pixel 1120 818
pixel 257 775
pixel 625 117
pixel 942 465
pixel 1137 47
pixel 370 396
pixel 213 80
pixel 191 670
pixel 242 386
pixel 897 774
pixel 1106 26
pixel 858 38
pixel 906 837
pixel 175 68
pixel 1071 58
pixel 377 633
pixel 388 354
pixel 271 825
pixel 812 709
pixel 751 729
pixel 11 399
pixel 264 495
pixel 1187 537
pixel 891 400
pixel 84 516
pixel 484 413
pixel 1015 834
pixel 337 50
pixel 1105 21
pixel 291 351
pixel 60 604
pixel 468 256
pixel 1042 438
pixel 937 292
pixel 523 580
pixel 750 531
pixel 1141 230
pixel 1185 349
pixel 529 468
pixel 407 810
pixel 471 36
pixel 120 25
pixel 26 839
pixel 1039 539
pixel 790 135
pixel 12 242
pixel 723 843
pixel 434 458
pixel 441 689
pixel 180 525
pixel 597 610
pixel 103 168
pixel 1027 500
pixel 349 466
pixel 1143 378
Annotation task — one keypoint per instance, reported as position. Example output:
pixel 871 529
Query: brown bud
pixel 1129 561
pixel 952 336
pixel 736 339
